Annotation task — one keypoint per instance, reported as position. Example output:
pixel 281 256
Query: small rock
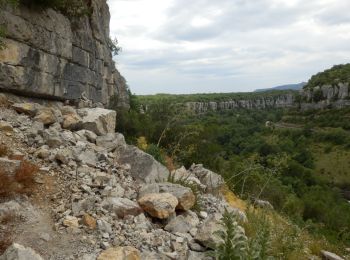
pixel 104 226
pixel 26 108
pixel 89 221
pixel 5 127
pixel 70 221
pixel 120 253
pixel 9 167
pixel 45 116
pixel 64 155
pixel 203 214
pixel 71 122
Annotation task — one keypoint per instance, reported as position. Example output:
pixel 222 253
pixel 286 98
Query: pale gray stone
pixel 19 252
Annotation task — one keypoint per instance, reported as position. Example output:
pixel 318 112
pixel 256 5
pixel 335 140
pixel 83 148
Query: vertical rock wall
pixel 51 56
pixel 280 101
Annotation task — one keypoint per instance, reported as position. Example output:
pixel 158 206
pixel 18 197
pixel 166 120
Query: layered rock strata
pixel 51 56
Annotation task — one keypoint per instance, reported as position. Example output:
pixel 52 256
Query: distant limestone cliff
pixel 273 100
pixel 50 56
pixel 327 89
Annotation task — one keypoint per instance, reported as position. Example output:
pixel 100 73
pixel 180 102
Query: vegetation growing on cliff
pixel 337 74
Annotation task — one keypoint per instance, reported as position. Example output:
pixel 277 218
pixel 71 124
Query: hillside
pixel 333 76
pixel 298 86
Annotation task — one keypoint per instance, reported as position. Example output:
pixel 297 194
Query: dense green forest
pixel 298 161
pixel 212 97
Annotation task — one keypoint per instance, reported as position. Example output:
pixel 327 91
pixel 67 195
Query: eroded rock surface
pixel 49 55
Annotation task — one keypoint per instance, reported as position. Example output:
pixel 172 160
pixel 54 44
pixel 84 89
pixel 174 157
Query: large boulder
pixel 19 252
pixel 183 223
pixel 207 231
pixel 183 194
pixel 110 141
pixel 27 108
pixel 47 116
pixel 143 166
pixel 158 205
pixel 122 207
pixel 330 256
pixel 98 120
pixel 211 180
pixel 120 253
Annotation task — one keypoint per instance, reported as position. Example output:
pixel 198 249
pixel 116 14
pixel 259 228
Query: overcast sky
pixel 196 46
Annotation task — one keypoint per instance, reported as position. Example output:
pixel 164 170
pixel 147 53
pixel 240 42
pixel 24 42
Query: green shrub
pixel 156 152
pixel 235 243
pixel 333 76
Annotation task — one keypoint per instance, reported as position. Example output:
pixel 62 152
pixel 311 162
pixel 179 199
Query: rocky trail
pixel 95 197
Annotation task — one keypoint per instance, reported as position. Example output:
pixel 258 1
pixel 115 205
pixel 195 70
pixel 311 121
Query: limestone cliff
pixel 280 101
pixel 51 56
pixel 337 95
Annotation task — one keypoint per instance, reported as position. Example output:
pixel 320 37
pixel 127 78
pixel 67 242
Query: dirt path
pixel 33 224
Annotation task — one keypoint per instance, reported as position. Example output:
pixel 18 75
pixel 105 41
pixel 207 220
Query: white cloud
pixel 182 46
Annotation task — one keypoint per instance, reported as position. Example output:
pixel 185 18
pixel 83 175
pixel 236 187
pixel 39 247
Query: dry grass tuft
pixel 22 182
pixel 3 150
pixel 5 241
pixel 6 223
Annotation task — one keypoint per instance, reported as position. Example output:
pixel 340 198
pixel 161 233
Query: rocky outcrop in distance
pixel 51 56
pixel 325 96
pixel 280 101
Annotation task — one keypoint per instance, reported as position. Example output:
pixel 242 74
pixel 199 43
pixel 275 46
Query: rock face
pixel 280 101
pixel 327 95
pixel 52 56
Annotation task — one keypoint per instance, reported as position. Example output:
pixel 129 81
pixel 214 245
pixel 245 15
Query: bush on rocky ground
pixel 21 183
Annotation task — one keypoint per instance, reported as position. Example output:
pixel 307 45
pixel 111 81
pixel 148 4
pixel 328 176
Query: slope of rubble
pixel 94 196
